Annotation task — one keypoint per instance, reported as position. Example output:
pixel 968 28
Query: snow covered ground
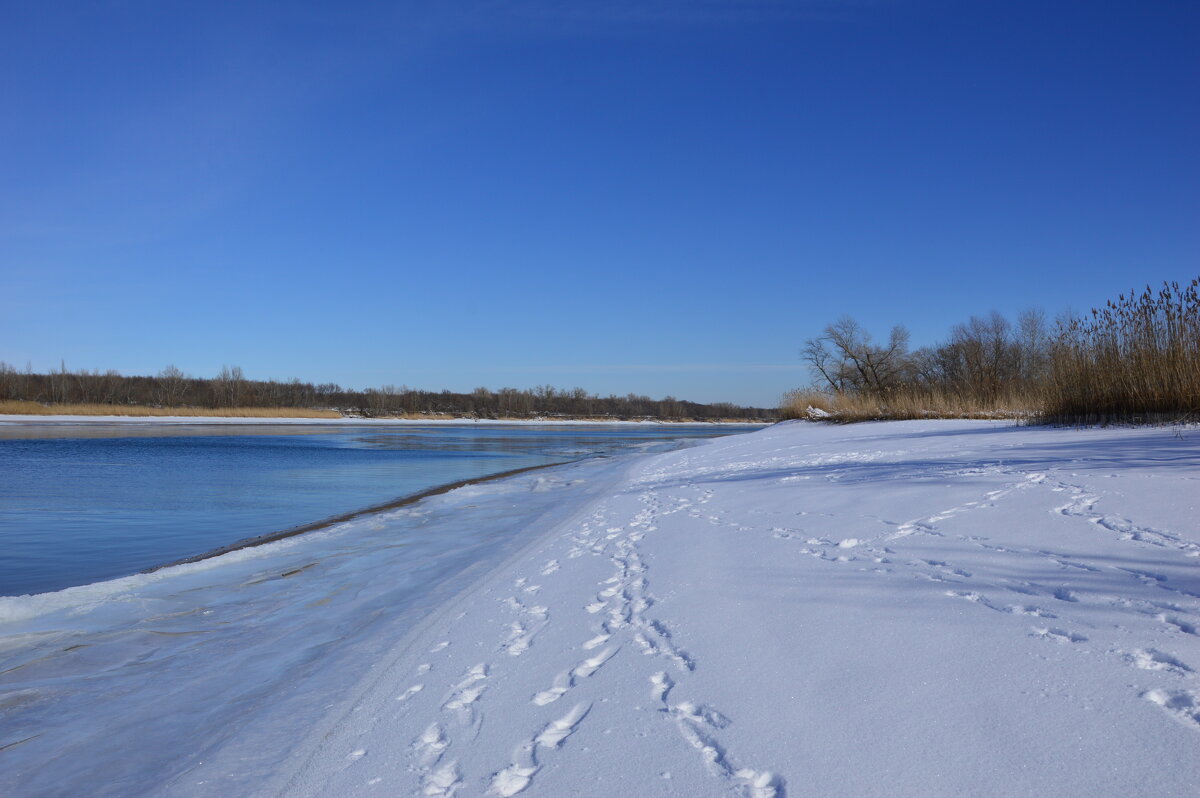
pixel 907 608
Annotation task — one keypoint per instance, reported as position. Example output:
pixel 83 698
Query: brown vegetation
pixel 1135 360
pixel 18 407
pixel 903 404
pixel 231 393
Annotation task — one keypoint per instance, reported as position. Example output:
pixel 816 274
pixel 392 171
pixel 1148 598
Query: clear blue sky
pixel 653 197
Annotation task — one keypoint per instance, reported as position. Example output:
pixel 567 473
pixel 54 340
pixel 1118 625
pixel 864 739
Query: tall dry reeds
pixel 902 404
pixel 1136 359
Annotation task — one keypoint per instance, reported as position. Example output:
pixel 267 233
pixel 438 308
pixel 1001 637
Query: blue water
pixel 75 510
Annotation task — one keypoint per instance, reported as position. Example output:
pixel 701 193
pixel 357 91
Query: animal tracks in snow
pixel 1058 599
pixel 1082 505
pixel 1075 586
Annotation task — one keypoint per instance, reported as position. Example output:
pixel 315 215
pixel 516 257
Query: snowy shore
pixel 908 608
pixel 344 421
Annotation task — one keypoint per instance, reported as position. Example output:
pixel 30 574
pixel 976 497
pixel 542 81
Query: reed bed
pixel 1136 359
pixel 17 407
pixel 901 405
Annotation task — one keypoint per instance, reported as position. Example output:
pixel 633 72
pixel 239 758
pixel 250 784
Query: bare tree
pixel 1033 336
pixel 10 387
pixel 171 383
pixel 229 387
pixel 845 356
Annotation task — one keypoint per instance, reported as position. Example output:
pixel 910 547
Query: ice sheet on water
pixel 164 664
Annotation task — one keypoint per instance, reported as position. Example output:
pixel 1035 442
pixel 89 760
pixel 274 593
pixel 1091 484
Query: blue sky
pixel 653 197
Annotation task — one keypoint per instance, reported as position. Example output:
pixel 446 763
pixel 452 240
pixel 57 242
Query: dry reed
pixel 15 407
pixel 1136 359
pixel 899 405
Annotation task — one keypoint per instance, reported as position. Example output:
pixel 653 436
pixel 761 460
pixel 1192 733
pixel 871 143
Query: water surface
pixel 109 500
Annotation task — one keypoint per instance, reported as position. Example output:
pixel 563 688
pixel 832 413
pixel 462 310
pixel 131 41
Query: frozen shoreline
pixel 908 608
pixel 231 641
pixel 237 420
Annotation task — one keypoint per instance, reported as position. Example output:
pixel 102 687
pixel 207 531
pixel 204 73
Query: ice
pixel 167 663
pixel 927 608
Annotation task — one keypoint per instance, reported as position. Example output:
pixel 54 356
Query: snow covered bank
pixel 909 608
pixel 114 688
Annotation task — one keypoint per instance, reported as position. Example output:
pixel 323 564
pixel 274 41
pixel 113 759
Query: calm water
pixel 75 510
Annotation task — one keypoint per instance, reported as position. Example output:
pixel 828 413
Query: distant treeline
pixel 1136 359
pixel 231 389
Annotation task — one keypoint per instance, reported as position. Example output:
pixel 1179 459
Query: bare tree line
pixel 1138 358
pixel 230 388
pixel 985 360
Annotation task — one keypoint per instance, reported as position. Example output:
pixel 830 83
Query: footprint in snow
pixel 1178 623
pixel 1184 705
pixel 1057 635
pixel 410 692
pixel 567 679
pixel 466 693
pixel 519 775
pixel 1151 659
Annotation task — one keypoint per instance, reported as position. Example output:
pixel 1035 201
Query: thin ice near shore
pixel 912 608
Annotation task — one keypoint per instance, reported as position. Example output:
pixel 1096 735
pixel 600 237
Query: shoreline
pixel 632 608
pixel 53 420
pixel 325 523
pixel 703 627
pixel 293 599
pixel 391 497
pixel 38 427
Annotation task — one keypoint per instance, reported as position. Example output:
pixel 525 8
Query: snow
pixel 917 608
pixel 53 420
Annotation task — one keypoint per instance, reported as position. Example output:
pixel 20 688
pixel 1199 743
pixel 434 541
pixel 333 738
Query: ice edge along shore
pixel 908 608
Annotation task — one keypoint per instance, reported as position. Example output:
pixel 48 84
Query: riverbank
pixel 13 411
pixel 25 409
pixel 907 608
pixel 93 501
pixel 83 422
pixel 945 608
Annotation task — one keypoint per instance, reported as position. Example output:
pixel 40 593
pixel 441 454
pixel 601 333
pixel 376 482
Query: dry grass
pixel 1137 359
pixel 39 409
pixel 847 407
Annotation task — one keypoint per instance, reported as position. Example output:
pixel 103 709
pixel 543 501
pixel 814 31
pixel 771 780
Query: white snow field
pixel 935 608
